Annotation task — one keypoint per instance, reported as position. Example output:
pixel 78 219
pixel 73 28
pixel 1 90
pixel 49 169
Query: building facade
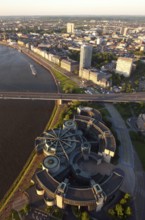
pixel 65 177
pixel 85 56
pixel 124 66
pixel 69 65
pixel 70 28
pixel 101 79
pixel 125 32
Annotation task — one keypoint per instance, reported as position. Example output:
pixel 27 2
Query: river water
pixel 21 121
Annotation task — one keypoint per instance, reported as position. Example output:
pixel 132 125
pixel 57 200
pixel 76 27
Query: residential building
pixel 56 59
pixel 124 66
pixel 99 41
pixel 21 43
pixel 85 57
pixel 125 31
pixel 98 77
pixel 142 48
pixel 121 30
pixel 69 65
pixel 70 28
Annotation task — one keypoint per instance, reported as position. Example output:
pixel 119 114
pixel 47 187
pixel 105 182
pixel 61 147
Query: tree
pixel 76 212
pixel 26 208
pixel 49 209
pixel 123 201
pixel 58 212
pixel 128 211
pixel 85 216
pixel 111 212
pixel 127 196
pixel 119 210
pixel 67 117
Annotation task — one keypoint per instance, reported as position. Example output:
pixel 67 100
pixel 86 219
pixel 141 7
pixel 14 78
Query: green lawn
pixel 140 149
pixel 138 142
pixel 66 84
pixel 124 110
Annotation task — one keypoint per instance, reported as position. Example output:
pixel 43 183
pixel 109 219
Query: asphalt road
pixel 122 97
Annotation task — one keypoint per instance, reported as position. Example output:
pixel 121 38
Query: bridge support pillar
pixel 59 102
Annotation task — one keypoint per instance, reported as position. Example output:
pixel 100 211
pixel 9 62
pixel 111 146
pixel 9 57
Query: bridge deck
pixel 121 97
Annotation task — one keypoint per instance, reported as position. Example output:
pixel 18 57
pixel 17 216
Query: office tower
pixel 121 30
pixel 125 31
pixel 85 56
pixel 99 41
pixel 124 66
pixel 70 28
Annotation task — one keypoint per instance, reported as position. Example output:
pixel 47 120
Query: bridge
pixel 119 97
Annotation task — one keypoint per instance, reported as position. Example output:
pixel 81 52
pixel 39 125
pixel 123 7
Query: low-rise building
pixel 98 77
pixel 72 173
pixel 21 43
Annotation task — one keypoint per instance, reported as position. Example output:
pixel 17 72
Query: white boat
pixel 34 72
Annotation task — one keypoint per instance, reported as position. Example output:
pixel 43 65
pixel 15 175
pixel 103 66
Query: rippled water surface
pixel 20 121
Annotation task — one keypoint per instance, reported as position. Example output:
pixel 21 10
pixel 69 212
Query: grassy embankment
pixel 138 141
pixel 66 84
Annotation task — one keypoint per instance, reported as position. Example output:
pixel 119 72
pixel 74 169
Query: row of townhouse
pixel 62 61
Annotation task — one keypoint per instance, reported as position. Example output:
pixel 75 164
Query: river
pixel 20 121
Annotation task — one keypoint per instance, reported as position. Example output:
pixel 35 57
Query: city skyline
pixel 63 7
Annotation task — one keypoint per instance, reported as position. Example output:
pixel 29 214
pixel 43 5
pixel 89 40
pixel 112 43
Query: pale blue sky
pixel 72 7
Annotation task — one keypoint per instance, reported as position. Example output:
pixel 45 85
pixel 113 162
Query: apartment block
pixel 124 66
pixel 69 65
pixel 70 28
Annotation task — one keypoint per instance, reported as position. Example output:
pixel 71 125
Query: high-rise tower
pixel 70 28
pixel 85 56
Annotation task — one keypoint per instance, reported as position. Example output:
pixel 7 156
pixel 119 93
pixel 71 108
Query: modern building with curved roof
pixel 71 170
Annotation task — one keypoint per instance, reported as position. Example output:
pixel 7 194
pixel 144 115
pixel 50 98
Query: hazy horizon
pixel 72 15
pixel 76 8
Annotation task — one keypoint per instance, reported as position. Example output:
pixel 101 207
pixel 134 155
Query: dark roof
pixel 112 184
pixel 47 181
pixel 79 194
